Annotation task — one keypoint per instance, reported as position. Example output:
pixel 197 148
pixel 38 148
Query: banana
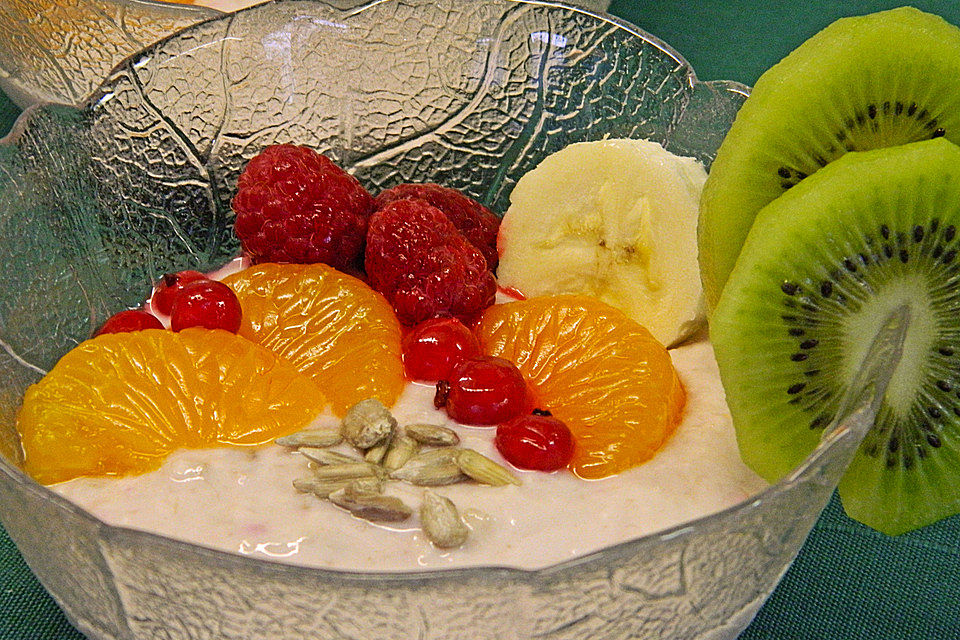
pixel 615 219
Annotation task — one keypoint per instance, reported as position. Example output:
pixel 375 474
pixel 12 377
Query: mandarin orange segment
pixel 595 369
pixel 331 326
pixel 119 403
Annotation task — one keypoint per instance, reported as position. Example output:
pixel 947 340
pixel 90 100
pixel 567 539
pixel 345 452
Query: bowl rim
pixel 839 437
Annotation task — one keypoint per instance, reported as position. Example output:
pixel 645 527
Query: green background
pixel 848 582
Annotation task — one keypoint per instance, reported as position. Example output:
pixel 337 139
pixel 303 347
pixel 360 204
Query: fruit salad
pixel 406 381
pixel 356 391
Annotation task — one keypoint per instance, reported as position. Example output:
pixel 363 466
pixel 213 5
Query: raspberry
pixel 295 205
pixel 419 261
pixel 478 224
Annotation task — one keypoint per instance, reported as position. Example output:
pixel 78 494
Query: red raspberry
pixel 424 266
pixel 295 205
pixel 478 224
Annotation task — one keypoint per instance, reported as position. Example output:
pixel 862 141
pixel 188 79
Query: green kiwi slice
pixel 862 83
pixel 822 268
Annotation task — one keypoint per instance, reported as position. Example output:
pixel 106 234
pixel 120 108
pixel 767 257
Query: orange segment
pixel 594 368
pixel 331 326
pixel 118 404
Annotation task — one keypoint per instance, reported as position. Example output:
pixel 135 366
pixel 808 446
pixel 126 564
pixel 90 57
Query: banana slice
pixel 615 219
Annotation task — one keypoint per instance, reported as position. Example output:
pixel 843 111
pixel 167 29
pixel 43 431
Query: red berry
pixel 419 261
pixel 129 320
pixel 537 442
pixel 478 224
pixel 295 205
pixel 434 347
pixel 170 283
pixel 485 390
pixel 205 303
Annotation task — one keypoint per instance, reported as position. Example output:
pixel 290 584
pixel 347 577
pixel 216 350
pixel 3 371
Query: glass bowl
pixel 61 50
pixel 136 181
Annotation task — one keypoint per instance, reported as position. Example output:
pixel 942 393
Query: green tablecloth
pixel 848 581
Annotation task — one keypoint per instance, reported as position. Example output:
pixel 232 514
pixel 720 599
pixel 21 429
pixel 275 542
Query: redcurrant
pixel 205 303
pixel 537 442
pixel 170 284
pixel 485 390
pixel 129 320
pixel 434 347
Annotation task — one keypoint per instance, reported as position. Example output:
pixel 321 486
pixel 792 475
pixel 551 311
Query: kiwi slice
pixel 821 270
pixel 862 83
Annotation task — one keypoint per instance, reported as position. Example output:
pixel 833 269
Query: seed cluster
pixel 904 442
pixel 811 315
pixel 790 176
pixel 860 131
pixel 391 452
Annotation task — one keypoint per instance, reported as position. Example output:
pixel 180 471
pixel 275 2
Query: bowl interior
pixel 136 182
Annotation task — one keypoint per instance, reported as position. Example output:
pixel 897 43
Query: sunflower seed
pixel 433 435
pixel 483 469
pixel 444 453
pixel 374 455
pixel 431 468
pixel 323 488
pixel 364 486
pixel 367 424
pixel 311 438
pixel 441 521
pixel 319 488
pixel 401 450
pixel 371 506
pixel 325 456
pixel 346 471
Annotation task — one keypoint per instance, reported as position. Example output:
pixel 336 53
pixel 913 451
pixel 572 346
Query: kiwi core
pixel 858 329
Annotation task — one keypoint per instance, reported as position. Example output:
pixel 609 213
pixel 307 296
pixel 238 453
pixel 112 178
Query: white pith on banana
pixel 614 219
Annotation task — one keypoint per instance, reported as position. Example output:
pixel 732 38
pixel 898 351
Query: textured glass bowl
pixel 96 200
pixel 61 50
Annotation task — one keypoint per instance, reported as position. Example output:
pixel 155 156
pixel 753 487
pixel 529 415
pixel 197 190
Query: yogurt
pixel 242 500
